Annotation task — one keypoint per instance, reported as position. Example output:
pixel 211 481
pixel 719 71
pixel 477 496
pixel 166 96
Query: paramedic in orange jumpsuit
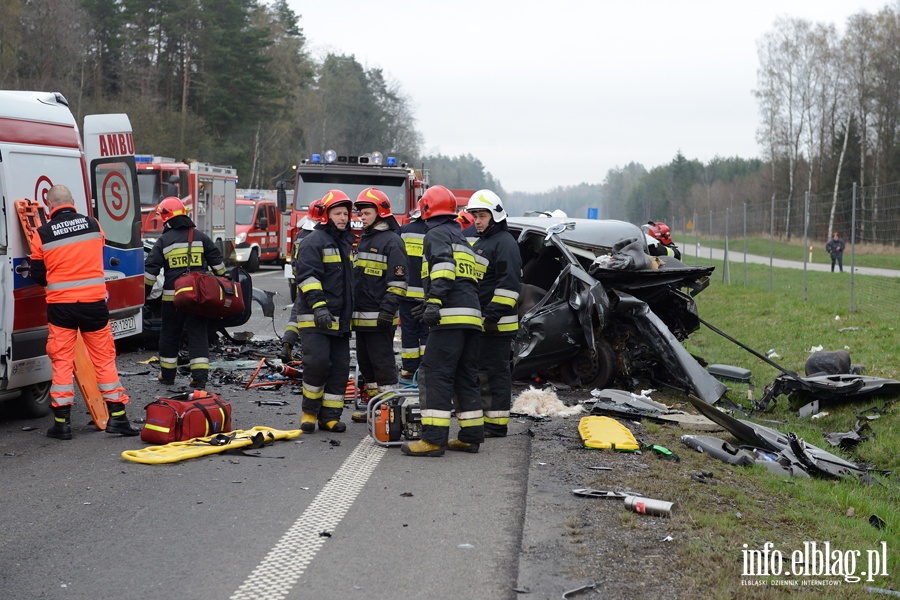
pixel 67 258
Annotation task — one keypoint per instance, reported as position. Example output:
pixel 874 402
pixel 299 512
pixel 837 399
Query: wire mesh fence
pixel 752 243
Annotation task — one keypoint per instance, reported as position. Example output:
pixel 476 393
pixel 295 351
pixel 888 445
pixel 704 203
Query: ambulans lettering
pixel 116 144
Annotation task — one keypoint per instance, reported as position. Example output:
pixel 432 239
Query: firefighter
pixel 467 222
pixel 67 258
pixel 413 334
pixel 379 284
pixel 324 306
pixel 170 254
pixel 664 245
pixel 291 333
pixel 498 292
pixel 451 309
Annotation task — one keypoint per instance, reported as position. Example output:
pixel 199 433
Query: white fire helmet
pixel 487 200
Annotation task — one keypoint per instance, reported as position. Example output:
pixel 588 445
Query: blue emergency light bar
pixel 316 158
pixel 391 161
pixel 143 158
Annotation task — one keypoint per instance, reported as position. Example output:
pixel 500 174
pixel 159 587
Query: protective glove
pixel 490 326
pixel 385 320
pixel 432 314
pixel 417 311
pixel 323 317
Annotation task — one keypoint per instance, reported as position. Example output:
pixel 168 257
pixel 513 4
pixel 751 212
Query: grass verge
pixel 748 507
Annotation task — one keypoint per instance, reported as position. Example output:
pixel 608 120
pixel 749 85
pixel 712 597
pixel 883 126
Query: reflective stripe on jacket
pixel 324 277
pixel 67 257
pixel 413 236
pixel 450 273
pixel 379 275
pixel 170 253
pixel 498 290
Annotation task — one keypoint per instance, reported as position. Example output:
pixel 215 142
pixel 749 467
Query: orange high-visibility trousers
pixel 102 350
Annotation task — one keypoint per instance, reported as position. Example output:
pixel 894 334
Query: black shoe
pixel 489 433
pixel 61 428
pixel 197 385
pixel 118 422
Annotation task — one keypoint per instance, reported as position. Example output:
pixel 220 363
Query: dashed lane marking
pixel 286 562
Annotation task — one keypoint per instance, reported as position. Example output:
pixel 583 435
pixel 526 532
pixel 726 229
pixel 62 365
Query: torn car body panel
pixel 813 460
pixel 830 388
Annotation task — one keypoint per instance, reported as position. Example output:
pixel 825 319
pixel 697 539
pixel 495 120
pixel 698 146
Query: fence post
pixel 852 243
pixel 745 242
pixel 805 237
pixel 771 239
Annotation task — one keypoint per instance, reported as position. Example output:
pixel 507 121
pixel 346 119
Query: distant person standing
pixel 835 247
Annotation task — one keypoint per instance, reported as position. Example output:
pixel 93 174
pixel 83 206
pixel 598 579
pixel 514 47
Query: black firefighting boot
pixel 307 422
pixel 458 446
pixel 287 353
pixel 118 422
pixel 62 425
pixel 421 448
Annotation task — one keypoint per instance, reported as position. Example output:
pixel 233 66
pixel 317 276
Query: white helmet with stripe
pixel 487 200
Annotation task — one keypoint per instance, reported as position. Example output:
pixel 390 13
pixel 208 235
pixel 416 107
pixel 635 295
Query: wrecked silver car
pixel 597 309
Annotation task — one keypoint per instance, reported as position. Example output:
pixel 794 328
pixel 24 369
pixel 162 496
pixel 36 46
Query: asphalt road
pixel 323 516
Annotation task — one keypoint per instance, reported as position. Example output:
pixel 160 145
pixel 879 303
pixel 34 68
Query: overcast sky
pixel 560 93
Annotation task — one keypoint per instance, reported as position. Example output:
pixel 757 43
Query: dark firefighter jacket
pixel 379 273
pixel 499 289
pixel 450 273
pixel 324 277
pixel 413 236
pixel 170 254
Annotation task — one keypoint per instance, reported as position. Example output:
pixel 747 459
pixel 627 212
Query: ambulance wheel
pixel 35 400
pixel 293 288
pixel 591 371
pixel 253 261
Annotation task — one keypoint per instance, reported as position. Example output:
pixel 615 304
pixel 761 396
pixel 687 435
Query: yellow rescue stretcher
pixel 256 437
pixel 606 433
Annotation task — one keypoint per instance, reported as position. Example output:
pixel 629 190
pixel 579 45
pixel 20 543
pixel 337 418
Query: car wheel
pixel 591 371
pixel 35 400
pixel 253 261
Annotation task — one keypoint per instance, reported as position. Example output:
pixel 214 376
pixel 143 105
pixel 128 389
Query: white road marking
pixel 286 562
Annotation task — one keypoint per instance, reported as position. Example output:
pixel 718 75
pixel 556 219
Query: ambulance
pixel 41 146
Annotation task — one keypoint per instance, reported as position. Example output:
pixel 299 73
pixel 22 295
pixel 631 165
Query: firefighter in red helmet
pixel 450 274
pixel 180 248
pixel 67 257
pixel 291 333
pixel 659 240
pixel 379 284
pixel 324 305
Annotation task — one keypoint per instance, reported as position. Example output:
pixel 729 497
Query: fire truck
pixel 350 174
pixel 40 146
pixel 209 193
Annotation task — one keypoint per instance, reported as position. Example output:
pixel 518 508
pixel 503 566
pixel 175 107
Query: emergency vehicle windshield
pixel 244 214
